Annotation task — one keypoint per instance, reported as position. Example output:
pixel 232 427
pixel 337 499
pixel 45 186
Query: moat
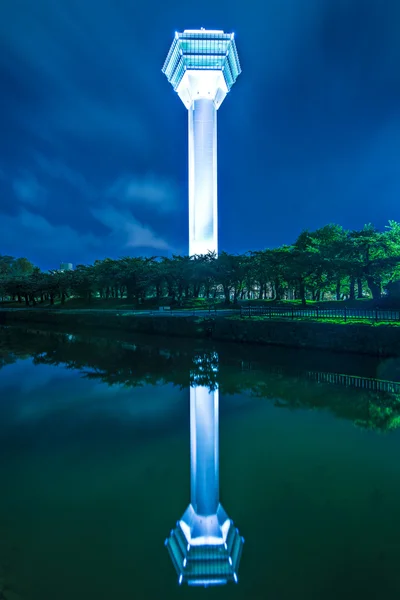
pixel 95 466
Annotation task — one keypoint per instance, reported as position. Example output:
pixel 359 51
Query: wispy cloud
pixel 125 228
pixel 70 58
pixel 29 191
pixel 39 234
pixel 147 190
pixel 58 170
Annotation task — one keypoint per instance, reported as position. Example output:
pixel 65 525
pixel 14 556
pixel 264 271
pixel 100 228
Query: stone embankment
pixel 382 340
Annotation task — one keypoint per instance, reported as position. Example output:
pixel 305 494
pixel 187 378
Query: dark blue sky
pixel 93 140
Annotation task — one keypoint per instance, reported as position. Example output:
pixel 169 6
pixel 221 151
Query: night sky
pixel 93 139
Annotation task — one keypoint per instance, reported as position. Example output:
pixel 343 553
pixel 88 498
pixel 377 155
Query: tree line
pixel 325 264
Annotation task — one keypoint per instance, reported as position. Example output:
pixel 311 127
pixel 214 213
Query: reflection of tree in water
pixel 204 371
pixel 368 409
pixel 125 363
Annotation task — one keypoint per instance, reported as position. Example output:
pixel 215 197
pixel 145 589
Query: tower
pixel 205 546
pixel 202 65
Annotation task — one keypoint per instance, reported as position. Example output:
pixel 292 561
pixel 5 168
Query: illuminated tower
pixel 205 546
pixel 202 65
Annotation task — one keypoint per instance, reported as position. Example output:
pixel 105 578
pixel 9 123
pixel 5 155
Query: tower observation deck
pixel 202 66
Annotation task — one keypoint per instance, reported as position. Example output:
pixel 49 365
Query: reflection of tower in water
pixel 205 547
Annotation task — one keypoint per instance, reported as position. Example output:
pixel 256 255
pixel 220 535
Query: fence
pixel 375 314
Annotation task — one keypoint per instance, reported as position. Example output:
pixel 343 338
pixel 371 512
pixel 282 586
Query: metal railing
pixel 374 314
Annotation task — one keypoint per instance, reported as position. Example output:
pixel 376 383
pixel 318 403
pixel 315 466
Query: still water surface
pixel 95 467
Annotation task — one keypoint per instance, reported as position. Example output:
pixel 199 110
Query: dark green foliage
pixel 329 264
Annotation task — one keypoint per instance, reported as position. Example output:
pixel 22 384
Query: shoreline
pixel 348 338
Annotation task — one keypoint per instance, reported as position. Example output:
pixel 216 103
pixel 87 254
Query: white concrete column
pixel 203 216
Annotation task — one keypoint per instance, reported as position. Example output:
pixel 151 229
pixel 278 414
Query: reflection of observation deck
pixel 202 66
pixel 205 547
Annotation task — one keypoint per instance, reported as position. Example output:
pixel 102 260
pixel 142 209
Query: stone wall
pixel 379 340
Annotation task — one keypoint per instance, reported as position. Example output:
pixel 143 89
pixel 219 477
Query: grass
pixel 336 320
pixel 385 302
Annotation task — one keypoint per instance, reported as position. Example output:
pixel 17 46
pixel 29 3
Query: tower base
pixel 205 550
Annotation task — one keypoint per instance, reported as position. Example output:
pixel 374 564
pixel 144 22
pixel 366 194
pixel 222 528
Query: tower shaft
pixel 204 454
pixel 203 214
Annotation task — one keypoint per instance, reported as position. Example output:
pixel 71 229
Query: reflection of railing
pixel 374 314
pixel 377 385
pixel 367 383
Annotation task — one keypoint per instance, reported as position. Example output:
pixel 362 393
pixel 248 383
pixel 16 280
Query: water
pixel 95 467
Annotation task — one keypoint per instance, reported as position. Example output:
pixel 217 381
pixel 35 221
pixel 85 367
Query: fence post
pixel 376 314
pixel 317 313
pixel 345 313
pixel 292 313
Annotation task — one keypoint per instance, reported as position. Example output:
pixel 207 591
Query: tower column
pixel 204 456
pixel 203 212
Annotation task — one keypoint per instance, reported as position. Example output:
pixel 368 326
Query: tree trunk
pixel 303 293
pixel 338 283
pixel 278 290
pixel 352 288
pixel 227 295
pixel 359 288
pixel 375 288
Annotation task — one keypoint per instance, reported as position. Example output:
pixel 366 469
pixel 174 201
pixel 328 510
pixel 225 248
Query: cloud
pixel 150 189
pixel 68 55
pixel 59 170
pixel 28 190
pixel 125 228
pixel 40 235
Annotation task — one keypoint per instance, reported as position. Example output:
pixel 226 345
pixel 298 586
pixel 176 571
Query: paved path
pixel 284 312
